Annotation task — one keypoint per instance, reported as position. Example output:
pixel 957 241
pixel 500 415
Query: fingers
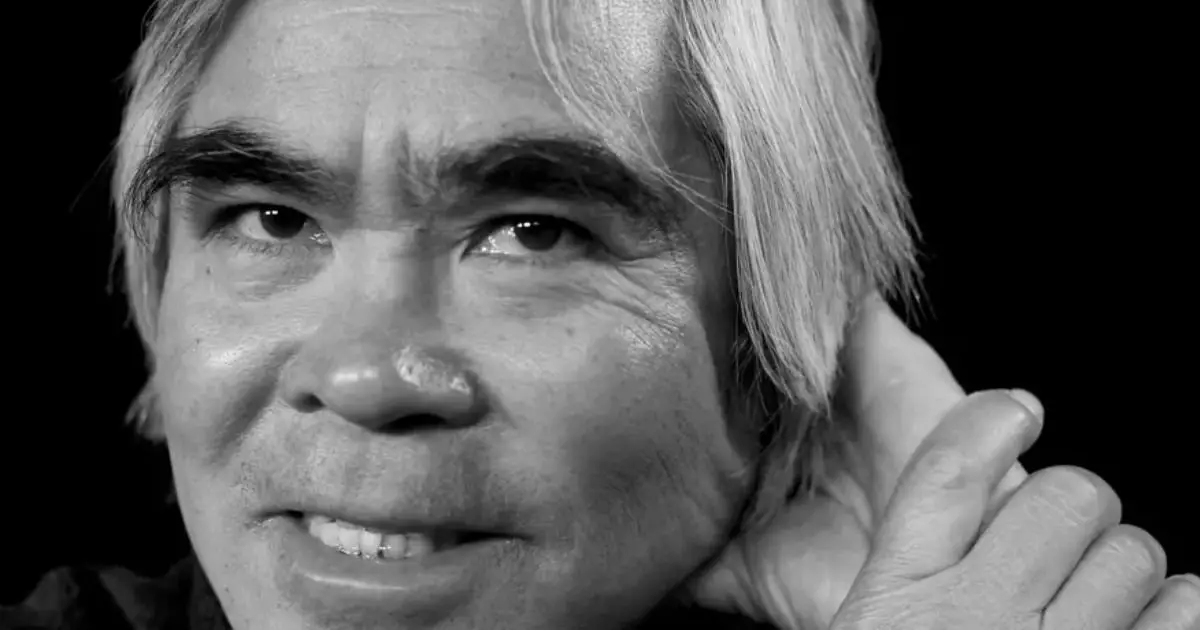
pixel 1004 491
pixel 1118 575
pixel 1175 607
pixel 1015 475
pixel 944 492
pixel 1034 543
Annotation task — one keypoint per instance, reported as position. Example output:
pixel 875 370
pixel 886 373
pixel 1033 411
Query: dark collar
pixel 113 598
pixel 181 598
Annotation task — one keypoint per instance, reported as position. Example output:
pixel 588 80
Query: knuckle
pixel 1137 551
pixel 967 445
pixel 947 468
pixel 1080 494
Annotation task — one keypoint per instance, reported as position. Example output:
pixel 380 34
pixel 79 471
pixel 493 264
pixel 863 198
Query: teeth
pixel 368 544
pixel 395 546
pixel 329 534
pixel 353 540
pixel 348 537
pixel 419 546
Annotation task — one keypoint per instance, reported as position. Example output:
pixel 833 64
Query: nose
pixel 382 386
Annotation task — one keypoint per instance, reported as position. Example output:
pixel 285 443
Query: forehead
pixel 633 30
pixel 337 70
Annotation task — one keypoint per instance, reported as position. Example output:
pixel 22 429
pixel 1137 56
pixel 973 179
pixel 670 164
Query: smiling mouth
pixel 368 543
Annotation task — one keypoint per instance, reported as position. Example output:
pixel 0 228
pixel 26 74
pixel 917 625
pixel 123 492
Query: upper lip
pixel 460 517
pixel 385 525
pixel 404 485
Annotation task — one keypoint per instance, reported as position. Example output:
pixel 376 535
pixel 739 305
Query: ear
pixel 798 452
pixel 144 414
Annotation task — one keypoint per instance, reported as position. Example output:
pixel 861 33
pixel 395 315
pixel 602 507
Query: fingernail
pixel 1029 401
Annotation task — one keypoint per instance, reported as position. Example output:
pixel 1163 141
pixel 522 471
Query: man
pixel 456 326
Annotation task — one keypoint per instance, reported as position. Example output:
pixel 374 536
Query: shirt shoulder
pixel 67 598
pixel 113 598
pixel 679 615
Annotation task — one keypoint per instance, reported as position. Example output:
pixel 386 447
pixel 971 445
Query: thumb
pixel 897 390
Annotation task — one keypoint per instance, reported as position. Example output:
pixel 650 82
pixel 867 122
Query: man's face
pixel 466 355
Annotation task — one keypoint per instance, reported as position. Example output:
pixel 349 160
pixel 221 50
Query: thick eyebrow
pixel 564 166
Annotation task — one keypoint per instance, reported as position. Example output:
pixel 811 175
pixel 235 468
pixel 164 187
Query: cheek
pixel 627 424
pixel 663 442
pixel 216 362
pixel 617 403
pixel 622 432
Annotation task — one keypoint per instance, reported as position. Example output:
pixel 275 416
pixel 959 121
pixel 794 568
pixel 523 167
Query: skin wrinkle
pixel 600 432
pixel 443 187
pixel 576 327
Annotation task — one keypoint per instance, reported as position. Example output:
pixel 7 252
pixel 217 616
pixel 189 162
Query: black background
pixel 1055 252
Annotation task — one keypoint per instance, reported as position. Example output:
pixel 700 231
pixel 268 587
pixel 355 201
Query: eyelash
pixel 492 226
pixel 223 228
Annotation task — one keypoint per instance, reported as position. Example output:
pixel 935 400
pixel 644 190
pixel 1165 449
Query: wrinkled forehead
pixel 601 43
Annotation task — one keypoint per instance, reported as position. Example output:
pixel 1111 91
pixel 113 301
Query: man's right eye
pixel 268 229
pixel 272 223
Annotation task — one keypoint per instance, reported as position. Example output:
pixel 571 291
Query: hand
pixel 796 571
pixel 1053 557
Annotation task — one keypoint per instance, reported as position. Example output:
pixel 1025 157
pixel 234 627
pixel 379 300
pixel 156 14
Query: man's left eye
pixel 544 238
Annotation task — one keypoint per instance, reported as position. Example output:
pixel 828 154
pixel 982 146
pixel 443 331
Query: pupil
pixel 538 235
pixel 282 223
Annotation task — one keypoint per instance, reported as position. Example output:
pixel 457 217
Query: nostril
pixel 307 403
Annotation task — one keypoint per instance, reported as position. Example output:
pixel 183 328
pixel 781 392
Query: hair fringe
pixel 782 94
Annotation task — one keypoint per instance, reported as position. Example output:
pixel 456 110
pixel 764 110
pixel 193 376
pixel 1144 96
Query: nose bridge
pixel 384 361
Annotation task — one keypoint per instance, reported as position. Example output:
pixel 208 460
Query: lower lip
pixel 433 585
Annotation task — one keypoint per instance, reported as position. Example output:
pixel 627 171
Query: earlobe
pixel 793 445
pixel 145 416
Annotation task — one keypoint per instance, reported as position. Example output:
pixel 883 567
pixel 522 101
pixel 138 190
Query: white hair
pixel 782 93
